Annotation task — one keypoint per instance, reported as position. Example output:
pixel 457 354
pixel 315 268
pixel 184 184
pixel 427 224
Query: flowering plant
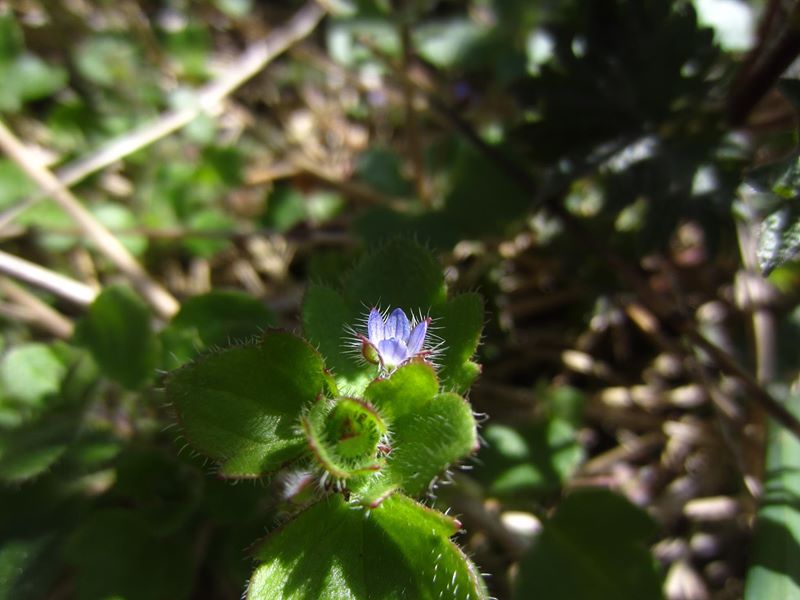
pixel 371 441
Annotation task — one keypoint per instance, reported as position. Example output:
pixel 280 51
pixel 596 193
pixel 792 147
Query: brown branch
pixel 762 72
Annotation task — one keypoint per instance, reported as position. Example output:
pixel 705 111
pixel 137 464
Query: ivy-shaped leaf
pixel 429 432
pixel 459 323
pixel 242 405
pixel 334 551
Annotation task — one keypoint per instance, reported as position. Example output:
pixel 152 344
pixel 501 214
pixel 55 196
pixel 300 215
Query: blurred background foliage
pixel 617 178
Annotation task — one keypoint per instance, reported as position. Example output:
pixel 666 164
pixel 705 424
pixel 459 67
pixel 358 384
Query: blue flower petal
pixel 397 325
pixel 392 352
pixel 375 329
pixel 417 338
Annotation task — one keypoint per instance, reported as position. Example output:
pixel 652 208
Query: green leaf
pixel 119 217
pixel 11 41
pixel 427 441
pixel 594 548
pixel 535 458
pixel 402 274
pixel 458 323
pixel 36 443
pixel 398 550
pixel 325 319
pixel 107 60
pixel 118 333
pixel 774 570
pixel 779 237
pixel 30 372
pixel 26 570
pixel 222 318
pixel 242 405
pixel 14 183
pixel 409 389
pixel 774 194
pixel 381 170
pixel 429 432
pixel 116 554
pixel 34 447
pixel 35 78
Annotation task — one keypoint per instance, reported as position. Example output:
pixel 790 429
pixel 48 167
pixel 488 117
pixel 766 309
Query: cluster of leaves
pixel 374 440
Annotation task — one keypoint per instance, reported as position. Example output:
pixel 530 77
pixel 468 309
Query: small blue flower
pixel 394 340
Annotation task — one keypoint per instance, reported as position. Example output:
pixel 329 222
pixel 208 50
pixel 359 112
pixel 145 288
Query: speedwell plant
pixel 367 432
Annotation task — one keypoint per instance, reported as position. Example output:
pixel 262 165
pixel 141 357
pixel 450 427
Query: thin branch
pixel 763 71
pixel 50 281
pixel 208 98
pixel 36 312
pixel 161 300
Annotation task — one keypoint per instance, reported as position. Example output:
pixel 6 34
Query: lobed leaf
pixel 401 273
pixel 429 431
pixel 459 323
pixel 241 406
pixel 335 551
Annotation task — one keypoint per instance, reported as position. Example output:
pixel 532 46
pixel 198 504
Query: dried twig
pixel 36 312
pixel 763 68
pixel 55 283
pixel 110 246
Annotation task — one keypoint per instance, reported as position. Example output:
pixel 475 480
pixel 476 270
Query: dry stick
pixel 161 300
pixel 761 76
pixel 253 60
pixel 55 283
pixel 551 201
pixel 41 315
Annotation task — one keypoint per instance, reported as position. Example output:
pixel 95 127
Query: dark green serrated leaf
pixel 31 449
pixel 428 440
pixel 402 274
pixel 408 389
pixel 458 323
pixel 333 551
pixel 429 432
pixel 325 321
pixel 118 333
pixel 774 570
pixel 242 405
pixel 116 554
pixel 41 439
pixel 594 548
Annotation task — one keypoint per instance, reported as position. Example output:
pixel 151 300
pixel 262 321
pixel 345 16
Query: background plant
pixel 603 193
